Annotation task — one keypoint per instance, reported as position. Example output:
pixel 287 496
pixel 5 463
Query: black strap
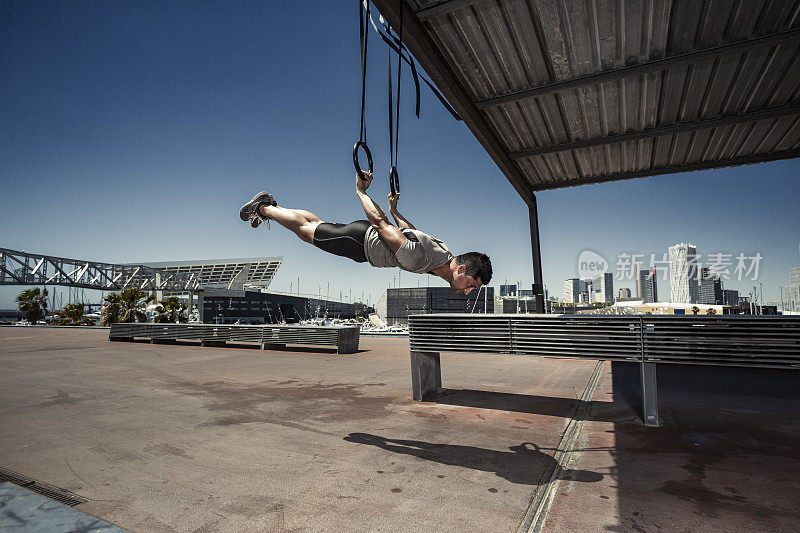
pixel 397 45
pixel 363 32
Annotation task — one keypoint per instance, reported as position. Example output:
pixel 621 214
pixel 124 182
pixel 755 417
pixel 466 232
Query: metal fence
pixel 762 341
pixel 345 338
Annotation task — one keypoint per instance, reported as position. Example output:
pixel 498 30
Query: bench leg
pixel 649 394
pixel 426 375
pixel 348 340
pixel 213 344
pixel 271 346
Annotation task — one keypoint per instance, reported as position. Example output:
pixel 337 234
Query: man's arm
pixel 399 219
pixel 390 234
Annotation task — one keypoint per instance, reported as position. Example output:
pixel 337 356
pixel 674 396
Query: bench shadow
pixel 504 401
pixel 523 464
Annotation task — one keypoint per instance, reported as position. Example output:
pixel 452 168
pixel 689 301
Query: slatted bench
pixel 267 336
pixel 738 340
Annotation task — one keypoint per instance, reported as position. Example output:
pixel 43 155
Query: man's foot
pixel 251 208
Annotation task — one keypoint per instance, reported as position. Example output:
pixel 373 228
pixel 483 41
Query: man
pixel 376 240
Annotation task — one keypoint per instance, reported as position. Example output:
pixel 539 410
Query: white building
pixel 683 273
pixel 572 290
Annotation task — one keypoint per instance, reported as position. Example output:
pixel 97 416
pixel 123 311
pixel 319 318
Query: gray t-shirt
pixel 419 253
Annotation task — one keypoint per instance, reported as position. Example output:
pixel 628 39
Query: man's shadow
pixel 524 464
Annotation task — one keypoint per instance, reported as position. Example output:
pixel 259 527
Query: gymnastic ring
pixel 394 180
pixel 361 144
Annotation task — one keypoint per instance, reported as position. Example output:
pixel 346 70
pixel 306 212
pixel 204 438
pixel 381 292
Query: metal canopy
pixel 585 91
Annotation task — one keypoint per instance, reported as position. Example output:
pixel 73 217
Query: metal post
pixel 426 375
pixel 538 285
pixel 649 394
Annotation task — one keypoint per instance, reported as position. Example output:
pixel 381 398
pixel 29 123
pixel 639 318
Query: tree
pixel 711 311
pixel 32 302
pixel 126 305
pixel 171 310
pixel 72 315
pixel 695 310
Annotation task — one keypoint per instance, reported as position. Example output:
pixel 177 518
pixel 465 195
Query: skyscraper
pixel 572 290
pixel 646 284
pixel 710 288
pixel 683 273
pixel 603 288
pixel 624 292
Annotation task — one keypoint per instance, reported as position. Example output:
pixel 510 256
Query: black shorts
pixel 346 240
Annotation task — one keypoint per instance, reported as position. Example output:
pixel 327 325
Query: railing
pixel 345 338
pixel 756 341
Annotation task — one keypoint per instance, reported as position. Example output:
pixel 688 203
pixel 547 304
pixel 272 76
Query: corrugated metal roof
pixel 570 92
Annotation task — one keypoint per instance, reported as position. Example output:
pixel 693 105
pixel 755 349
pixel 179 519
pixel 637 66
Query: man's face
pixel 463 284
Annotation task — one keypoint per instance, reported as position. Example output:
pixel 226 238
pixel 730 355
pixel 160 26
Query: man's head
pixel 472 270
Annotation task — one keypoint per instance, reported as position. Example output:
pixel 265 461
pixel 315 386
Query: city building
pixel 624 293
pixel 730 297
pixel 683 273
pixel 508 290
pixel 224 306
pixel 790 299
pixel 710 290
pixel 395 305
pixel 646 284
pixel 602 289
pixel 572 290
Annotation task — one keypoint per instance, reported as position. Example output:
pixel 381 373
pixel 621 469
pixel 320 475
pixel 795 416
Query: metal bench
pixel 753 341
pixel 267 336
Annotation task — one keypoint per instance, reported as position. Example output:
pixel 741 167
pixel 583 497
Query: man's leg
pixel 302 222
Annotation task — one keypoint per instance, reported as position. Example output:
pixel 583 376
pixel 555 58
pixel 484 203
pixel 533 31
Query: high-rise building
pixel 730 297
pixel 646 284
pixel 683 273
pixel 572 291
pixel 710 291
pixel 602 288
pixel 791 294
pixel 624 293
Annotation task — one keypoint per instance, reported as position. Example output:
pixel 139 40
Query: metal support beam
pixel 649 394
pixel 416 38
pixel 22 268
pixel 659 131
pixel 536 252
pixel 426 375
pixel 649 66
pixel 702 165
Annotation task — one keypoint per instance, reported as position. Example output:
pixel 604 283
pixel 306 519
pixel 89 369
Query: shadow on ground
pixel 522 464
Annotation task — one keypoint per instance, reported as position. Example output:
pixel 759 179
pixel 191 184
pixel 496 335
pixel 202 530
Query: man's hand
pixel 362 184
pixel 393 199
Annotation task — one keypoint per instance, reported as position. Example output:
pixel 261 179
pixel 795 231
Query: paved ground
pixel 185 438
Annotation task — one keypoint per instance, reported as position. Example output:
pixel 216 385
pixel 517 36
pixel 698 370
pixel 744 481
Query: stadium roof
pixel 572 92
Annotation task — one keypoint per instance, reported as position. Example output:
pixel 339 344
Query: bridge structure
pixel 23 268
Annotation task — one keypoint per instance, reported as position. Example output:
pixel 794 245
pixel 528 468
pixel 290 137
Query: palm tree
pixel 126 305
pixel 32 302
pixel 171 310
pixel 72 315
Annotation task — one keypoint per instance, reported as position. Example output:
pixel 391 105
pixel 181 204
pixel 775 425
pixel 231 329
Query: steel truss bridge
pixel 22 268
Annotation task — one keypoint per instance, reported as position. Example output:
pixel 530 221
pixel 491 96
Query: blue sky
pixel 134 131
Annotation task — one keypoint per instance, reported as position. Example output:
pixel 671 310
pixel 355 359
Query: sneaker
pixel 250 209
pixel 255 221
